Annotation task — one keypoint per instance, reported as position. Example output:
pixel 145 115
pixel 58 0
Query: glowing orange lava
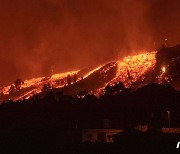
pixel 128 71
pixel 35 85
pixel 92 71
pixel 132 68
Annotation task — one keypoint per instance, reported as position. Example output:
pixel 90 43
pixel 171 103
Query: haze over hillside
pixel 64 35
pixel 133 71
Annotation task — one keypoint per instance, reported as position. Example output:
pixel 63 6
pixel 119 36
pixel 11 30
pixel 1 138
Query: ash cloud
pixel 36 36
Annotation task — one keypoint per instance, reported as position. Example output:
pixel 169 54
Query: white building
pixel 99 135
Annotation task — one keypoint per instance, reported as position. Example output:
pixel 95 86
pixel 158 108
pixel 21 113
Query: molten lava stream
pixel 130 69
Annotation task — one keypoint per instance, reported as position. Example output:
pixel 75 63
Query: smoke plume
pixel 37 36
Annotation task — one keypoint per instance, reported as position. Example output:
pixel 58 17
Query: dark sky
pixel 36 35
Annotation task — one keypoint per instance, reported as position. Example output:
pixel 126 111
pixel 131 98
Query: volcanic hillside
pixel 133 71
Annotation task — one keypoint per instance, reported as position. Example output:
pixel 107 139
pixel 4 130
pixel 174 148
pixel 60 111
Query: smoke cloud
pixel 37 36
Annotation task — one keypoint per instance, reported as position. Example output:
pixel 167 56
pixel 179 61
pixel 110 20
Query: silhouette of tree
pixel 12 89
pixel 17 84
pixel 69 80
pixel 49 85
pixel 75 78
pixel 82 94
pixel 115 90
pixel 1 94
pixel 121 86
pixel 108 90
pixel 45 87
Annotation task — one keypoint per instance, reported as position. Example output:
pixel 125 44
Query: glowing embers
pixel 131 68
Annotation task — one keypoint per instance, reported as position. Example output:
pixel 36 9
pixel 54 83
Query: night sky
pixel 36 35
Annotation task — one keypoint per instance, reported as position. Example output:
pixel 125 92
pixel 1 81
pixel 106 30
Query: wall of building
pixel 99 135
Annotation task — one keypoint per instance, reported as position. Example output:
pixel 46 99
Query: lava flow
pixel 127 70
pixel 35 86
pixel 131 68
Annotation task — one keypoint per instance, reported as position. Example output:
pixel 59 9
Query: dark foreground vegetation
pixel 53 123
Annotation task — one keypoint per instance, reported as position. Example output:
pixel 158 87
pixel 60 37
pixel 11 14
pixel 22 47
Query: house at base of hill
pixel 99 135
